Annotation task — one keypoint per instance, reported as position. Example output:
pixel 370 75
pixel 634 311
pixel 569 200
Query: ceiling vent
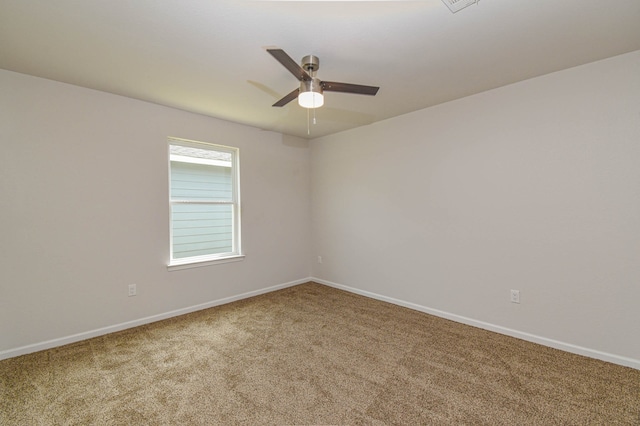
pixel 456 5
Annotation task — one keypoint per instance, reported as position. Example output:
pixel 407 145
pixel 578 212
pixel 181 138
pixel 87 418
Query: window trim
pixel 211 259
pixel 193 263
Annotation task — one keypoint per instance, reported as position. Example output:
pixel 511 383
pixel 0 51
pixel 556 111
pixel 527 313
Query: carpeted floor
pixel 312 354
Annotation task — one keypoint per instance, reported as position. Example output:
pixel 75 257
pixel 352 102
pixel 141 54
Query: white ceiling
pixel 208 56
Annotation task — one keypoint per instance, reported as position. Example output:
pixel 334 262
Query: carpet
pixel 312 354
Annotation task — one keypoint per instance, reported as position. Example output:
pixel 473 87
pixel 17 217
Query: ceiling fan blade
pixel 333 86
pixel 293 67
pixel 288 98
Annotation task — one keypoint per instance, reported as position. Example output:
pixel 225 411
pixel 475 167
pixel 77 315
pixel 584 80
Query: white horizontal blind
pixel 203 201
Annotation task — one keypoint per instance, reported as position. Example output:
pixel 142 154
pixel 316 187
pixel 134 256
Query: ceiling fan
pixel 310 92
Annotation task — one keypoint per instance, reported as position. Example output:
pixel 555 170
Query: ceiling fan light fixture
pixel 310 99
pixel 311 94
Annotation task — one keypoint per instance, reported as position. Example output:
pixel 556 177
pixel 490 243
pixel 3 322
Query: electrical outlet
pixel 132 290
pixel 515 296
pixel 319 259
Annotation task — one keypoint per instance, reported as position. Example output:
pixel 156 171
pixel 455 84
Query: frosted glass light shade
pixel 310 99
pixel 310 95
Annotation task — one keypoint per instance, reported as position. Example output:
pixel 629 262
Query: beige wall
pixel 534 186
pixel 84 212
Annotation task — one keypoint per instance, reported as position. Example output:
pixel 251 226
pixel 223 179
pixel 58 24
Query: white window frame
pixel 210 259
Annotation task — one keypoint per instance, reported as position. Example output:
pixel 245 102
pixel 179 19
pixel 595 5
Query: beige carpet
pixel 311 354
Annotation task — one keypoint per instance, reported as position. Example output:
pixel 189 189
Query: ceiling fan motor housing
pixel 310 64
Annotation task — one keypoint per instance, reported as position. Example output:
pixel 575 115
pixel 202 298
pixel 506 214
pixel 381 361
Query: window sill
pixel 187 264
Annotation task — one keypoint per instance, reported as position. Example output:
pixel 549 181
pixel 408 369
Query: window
pixel 205 203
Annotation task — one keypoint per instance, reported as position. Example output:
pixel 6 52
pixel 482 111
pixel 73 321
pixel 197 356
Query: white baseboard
pixel 10 353
pixel 567 347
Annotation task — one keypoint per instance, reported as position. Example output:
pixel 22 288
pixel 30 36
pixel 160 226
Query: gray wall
pixel 534 186
pixel 84 208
